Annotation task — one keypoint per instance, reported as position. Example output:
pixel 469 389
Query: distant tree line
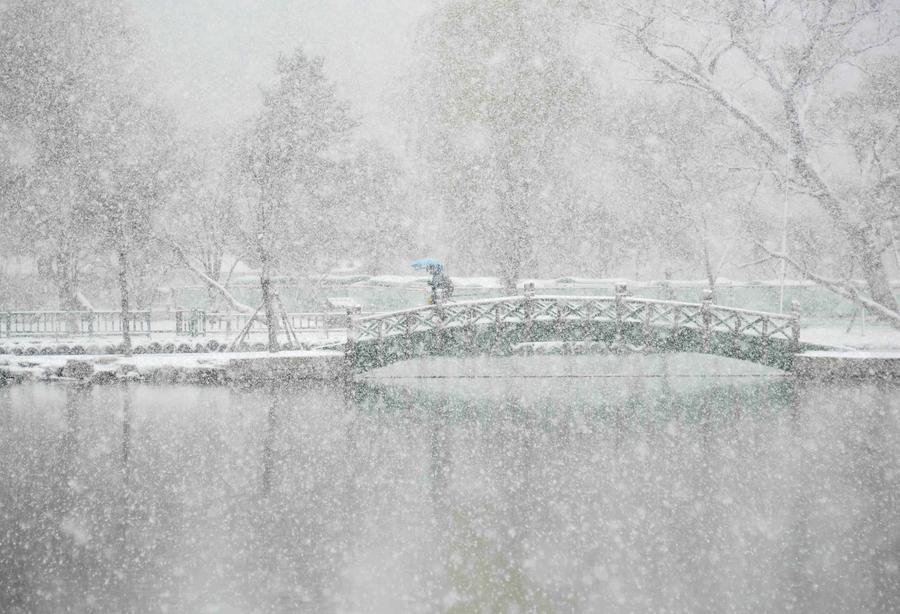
pixel 757 137
pixel 580 137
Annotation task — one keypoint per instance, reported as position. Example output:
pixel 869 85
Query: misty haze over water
pixel 463 306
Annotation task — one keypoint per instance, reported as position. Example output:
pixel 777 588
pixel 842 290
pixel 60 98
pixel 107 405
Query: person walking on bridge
pixel 441 286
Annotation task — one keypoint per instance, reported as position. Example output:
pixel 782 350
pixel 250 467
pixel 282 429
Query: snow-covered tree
pixel 777 71
pixel 372 218
pixel 500 99
pixel 293 146
pixel 125 179
pixel 58 64
pixel 680 198
pixel 203 222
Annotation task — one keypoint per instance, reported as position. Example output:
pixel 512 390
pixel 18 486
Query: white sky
pixel 210 56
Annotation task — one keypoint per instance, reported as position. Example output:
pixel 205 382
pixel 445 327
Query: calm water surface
pixel 592 484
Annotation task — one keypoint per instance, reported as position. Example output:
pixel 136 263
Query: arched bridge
pixel 619 323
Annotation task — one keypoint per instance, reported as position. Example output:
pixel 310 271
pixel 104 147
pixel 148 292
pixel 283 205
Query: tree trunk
pixel 67 285
pixel 67 276
pixel 864 248
pixel 873 269
pixel 707 265
pixel 265 284
pixel 212 264
pixel 123 290
pixel 509 275
pixel 210 283
pixel 265 259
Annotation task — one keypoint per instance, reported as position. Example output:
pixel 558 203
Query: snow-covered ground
pixel 834 334
pixel 557 282
pixel 102 344
pixel 149 367
pixel 873 337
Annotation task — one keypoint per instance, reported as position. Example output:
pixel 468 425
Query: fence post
pixel 795 326
pixel 736 335
pixel 706 316
pixel 621 294
pixel 149 323
pixel 8 324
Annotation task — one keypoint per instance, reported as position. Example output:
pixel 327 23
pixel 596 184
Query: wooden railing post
pixel 736 335
pixel 379 345
pixel 648 328
pixel 194 322
pixel 706 302
pixel 558 320
pixel 408 333
pixel 350 351
pixel 795 326
pixel 470 329
pixel 498 326
pixel 621 294
pixel 586 323
pixel 528 310
pixel 441 326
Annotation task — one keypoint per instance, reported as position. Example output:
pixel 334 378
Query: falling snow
pixel 451 306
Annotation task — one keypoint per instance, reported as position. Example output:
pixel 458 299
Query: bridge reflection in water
pixel 637 487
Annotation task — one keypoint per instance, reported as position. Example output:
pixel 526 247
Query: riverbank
pixel 198 368
pixel 157 343
pixel 870 352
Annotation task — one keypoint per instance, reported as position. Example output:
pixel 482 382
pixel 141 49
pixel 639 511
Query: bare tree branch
pixel 209 281
pixel 842 289
pixel 802 166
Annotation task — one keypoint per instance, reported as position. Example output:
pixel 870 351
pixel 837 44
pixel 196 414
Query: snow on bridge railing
pixel 621 309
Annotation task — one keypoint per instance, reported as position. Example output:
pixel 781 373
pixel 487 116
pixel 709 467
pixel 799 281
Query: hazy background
pixel 209 57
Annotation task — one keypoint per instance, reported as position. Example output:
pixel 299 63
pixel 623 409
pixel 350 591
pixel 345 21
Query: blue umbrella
pixel 422 263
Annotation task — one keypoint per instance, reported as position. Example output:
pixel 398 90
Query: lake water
pixel 590 484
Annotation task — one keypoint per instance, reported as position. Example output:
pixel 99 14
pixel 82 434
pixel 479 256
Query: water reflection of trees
pixel 59 535
pixel 845 521
pixel 316 500
pixel 649 494
pixel 302 520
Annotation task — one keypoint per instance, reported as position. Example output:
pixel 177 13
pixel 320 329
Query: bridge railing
pixel 620 309
pixel 211 323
